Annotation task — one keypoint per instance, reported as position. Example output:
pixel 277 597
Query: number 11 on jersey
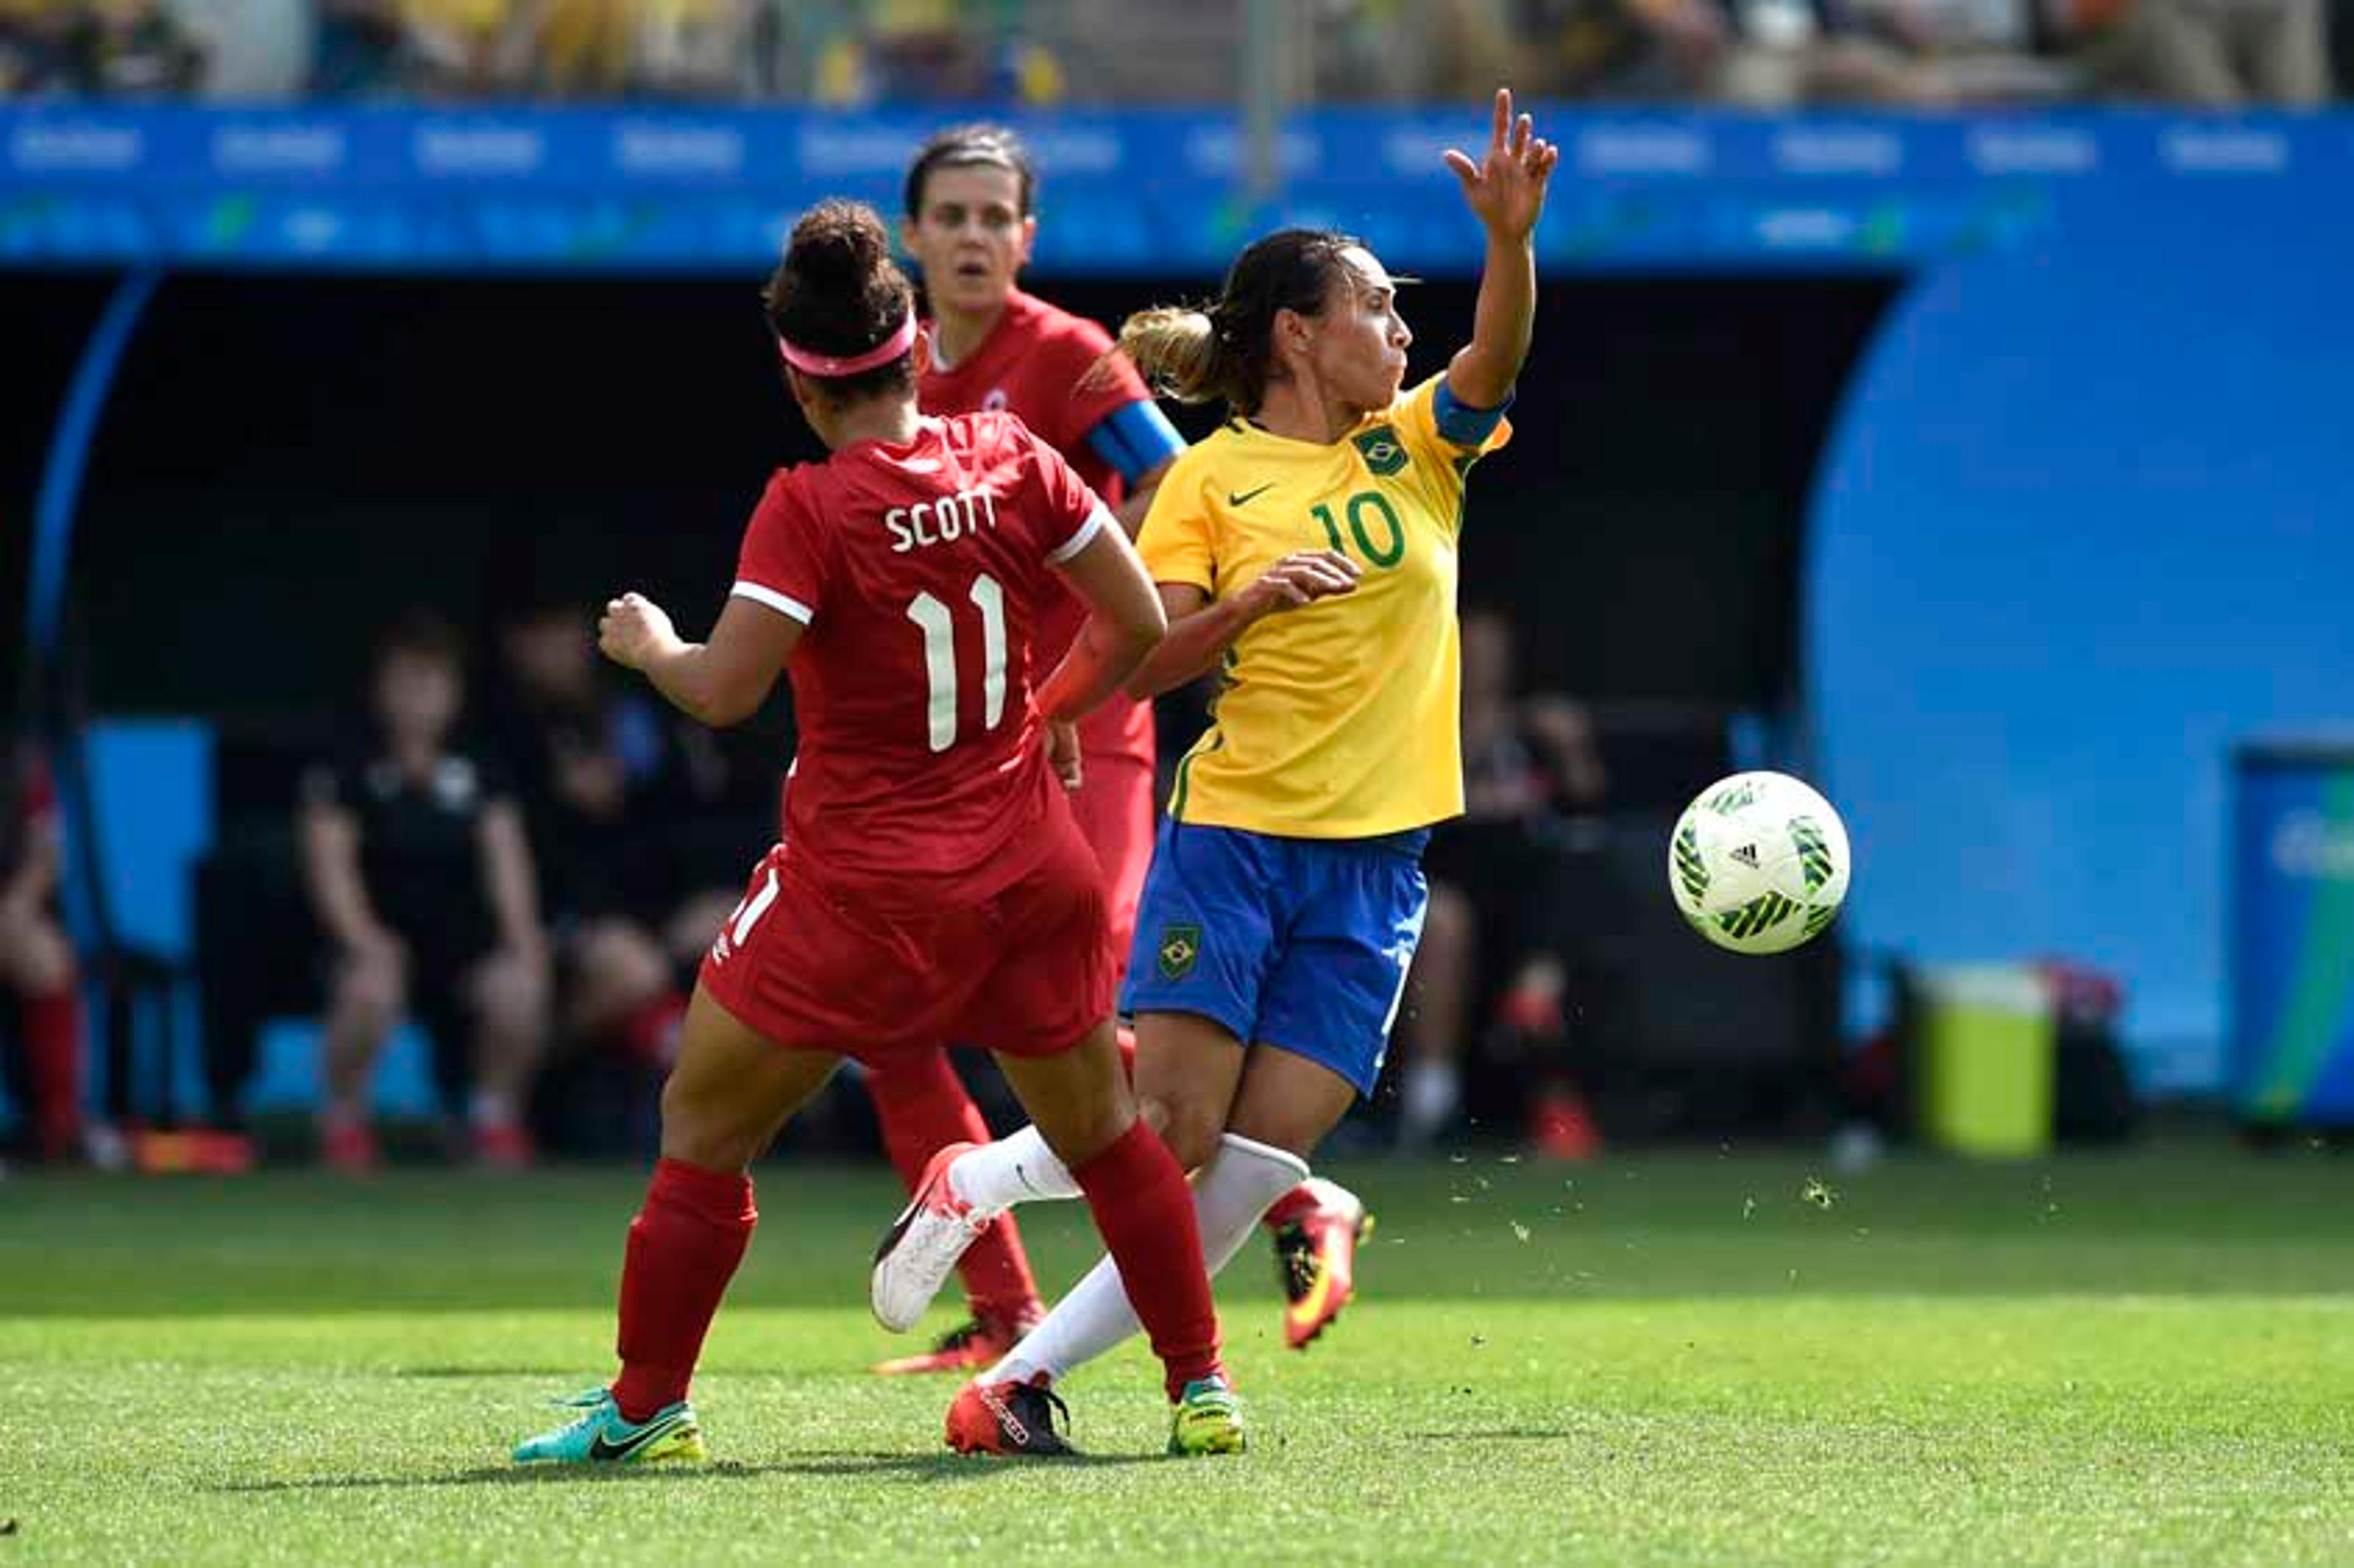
pixel 939 625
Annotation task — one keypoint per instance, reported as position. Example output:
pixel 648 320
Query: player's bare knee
pixel 370 991
pixel 706 1129
pixel 39 960
pixel 1191 1133
pixel 1098 1131
pixel 512 993
pixel 624 960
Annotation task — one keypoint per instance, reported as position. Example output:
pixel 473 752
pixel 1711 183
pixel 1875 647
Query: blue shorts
pixel 1298 943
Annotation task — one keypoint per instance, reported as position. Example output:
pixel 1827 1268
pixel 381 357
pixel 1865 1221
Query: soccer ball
pixel 1759 864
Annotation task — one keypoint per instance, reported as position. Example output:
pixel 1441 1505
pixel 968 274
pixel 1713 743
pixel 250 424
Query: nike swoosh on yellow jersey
pixel 1239 498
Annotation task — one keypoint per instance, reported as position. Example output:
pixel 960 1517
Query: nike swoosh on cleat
pixel 1308 1307
pixel 600 1450
pixel 1238 498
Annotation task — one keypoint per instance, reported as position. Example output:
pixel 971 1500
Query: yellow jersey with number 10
pixel 1339 719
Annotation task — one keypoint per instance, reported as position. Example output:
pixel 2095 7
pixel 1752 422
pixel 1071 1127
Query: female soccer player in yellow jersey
pixel 1308 547
pixel 971 222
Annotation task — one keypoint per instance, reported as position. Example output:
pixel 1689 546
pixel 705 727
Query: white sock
pixel 1430 1096
pixel 1015 1170
pixel 1228 1199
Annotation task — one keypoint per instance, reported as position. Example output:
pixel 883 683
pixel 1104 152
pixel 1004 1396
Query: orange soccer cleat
pixel 1009 1419
pixel 1318 1226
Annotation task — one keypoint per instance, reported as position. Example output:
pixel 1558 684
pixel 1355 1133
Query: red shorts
pixel 1025 971
pixel 1115 809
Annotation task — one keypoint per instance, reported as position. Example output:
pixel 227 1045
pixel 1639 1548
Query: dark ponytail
pixel 1225 350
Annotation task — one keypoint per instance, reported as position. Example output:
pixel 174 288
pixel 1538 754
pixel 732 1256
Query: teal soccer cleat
pixel 601 1436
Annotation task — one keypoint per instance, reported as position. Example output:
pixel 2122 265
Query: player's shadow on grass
pixel 934 1467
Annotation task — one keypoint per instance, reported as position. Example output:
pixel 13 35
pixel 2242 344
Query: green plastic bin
pixel 1984 1070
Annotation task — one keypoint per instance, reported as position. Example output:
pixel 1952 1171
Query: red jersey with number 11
pixel 921 572
pixel 1038 361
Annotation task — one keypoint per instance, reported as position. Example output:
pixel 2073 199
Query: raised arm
pixel 719 682
pixel 1506 191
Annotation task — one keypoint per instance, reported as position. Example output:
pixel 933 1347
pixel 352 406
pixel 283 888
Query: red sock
pixel 1145 1212
pixel 923 1106
pixel 684 1248
pixel 53 1047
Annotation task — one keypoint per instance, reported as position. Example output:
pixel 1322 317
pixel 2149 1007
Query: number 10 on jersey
pixel 937 622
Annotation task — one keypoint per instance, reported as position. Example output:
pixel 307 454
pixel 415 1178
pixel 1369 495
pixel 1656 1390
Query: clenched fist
pixel 634 630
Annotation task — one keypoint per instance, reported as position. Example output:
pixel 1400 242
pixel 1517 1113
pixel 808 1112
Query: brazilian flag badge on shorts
pixel 1181 948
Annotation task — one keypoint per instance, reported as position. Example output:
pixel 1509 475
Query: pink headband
pixel 812 364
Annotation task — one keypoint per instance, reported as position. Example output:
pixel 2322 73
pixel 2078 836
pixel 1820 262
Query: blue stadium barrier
pixel 1154 189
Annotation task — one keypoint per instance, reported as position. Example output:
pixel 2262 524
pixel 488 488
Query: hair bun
pixel 837 245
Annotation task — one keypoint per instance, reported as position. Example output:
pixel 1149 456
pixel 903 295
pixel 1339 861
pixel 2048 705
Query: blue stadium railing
pixel 1144 191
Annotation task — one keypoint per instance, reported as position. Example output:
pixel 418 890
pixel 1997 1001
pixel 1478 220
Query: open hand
pixel 1301 579
pixel 1506 189
pixel 634 630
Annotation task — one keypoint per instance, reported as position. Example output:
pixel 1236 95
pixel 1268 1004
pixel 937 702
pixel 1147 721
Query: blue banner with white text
pixel 1142 190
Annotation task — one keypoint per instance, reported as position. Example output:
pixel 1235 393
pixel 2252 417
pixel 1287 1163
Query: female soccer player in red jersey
pixel 971 222
pixel 1309 548
pixel 37 956
pixel 932 884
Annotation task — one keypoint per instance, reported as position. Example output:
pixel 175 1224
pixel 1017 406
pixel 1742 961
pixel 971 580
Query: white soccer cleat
pixel 924 1246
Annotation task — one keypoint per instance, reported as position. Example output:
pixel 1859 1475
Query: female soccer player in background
pixel 36 957
pixel 970 224
pixel 930 884
pixel 1310 546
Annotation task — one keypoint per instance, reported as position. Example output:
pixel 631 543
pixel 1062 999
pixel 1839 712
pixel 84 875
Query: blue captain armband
pixel 1462 425
pixel 1135 439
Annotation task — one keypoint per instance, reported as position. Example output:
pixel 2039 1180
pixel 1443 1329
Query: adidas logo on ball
pixel 1759 864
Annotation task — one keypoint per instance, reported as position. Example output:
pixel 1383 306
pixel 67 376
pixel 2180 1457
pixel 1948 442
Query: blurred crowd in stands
pixel 524 854
pixel 850 53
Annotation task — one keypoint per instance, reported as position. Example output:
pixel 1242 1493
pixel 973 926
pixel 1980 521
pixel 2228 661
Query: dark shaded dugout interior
pixel 286 461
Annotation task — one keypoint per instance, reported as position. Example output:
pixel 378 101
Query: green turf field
pixel 2149 1358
